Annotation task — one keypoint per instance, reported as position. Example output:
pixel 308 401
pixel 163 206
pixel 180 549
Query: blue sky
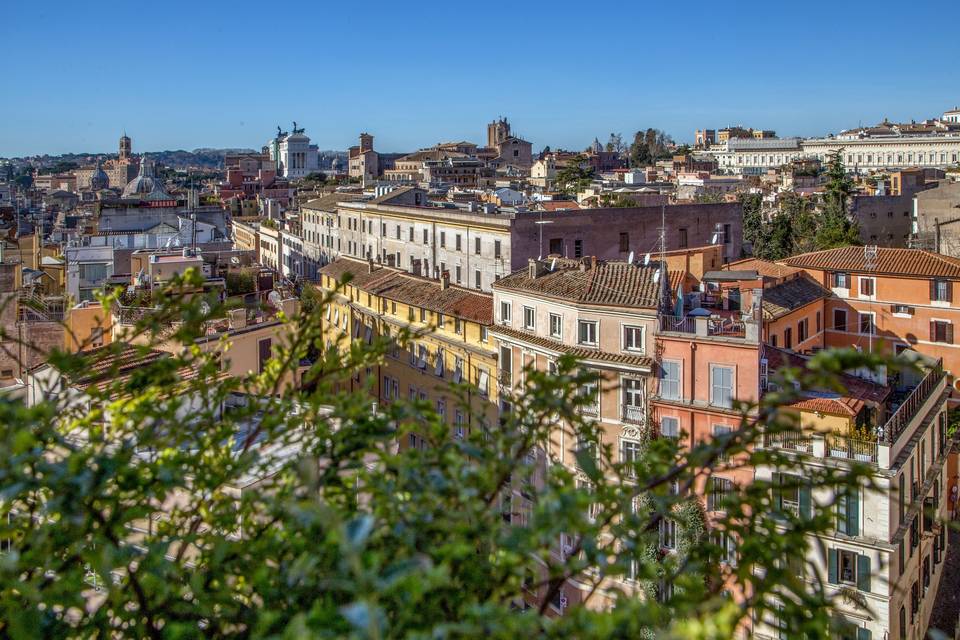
pixel 209 74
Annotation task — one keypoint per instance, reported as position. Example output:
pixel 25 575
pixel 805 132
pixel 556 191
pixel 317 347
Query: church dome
pixel 99 179
pixel 145 186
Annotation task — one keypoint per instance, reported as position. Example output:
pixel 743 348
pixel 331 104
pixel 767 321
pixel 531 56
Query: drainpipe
pixel 693 389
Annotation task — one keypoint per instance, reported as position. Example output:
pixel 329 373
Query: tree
pixel 752 218
pixel 835 228
pixel 574 176
pixel 804 223
pixel 649 146
pixel 615 143
pixel 161 507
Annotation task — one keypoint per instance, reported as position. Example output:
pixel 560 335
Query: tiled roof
pixel 764 268
pixel 783 298
pixel 329 201
pixel 394 284
pixel 559 205
pixel 603 283
pixel 858 392
pixel 112 361
pixel 905 262
pixel 581 353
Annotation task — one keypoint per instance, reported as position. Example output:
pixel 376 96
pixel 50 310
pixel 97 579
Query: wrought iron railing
pixel 677 325
pixel 633 413
pixel 905 413
pixel 850 448
pixel 791 440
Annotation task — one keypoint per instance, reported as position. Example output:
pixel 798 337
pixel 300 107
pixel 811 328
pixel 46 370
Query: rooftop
pixel 890 261
pixel 781 299
pixel 394 284
pixel 591 281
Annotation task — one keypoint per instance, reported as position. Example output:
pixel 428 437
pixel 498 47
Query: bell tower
pixel 125 148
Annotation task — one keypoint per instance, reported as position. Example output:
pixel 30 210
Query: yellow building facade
pixel 449 342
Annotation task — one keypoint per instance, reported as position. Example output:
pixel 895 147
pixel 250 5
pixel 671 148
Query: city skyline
pixel 189 79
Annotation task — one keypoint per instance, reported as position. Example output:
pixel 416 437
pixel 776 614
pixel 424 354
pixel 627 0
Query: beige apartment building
pixel 604 314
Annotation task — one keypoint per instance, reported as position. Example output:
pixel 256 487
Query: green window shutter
pixel 832 566
pixel 806 510
pixel 853 512
pixel 841 504
pixel 863 634
pixel 863 573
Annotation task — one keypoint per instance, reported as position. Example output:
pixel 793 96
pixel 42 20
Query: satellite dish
pixel 553 264
pixel 234 260
pixel 274 299
pixel 646 259
pixel 630 258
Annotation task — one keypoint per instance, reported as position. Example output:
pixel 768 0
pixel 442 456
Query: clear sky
pixel 182 75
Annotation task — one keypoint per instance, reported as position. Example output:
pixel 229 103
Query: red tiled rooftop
pixel 890 261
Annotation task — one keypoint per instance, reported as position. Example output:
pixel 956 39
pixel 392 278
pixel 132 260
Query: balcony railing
pixel 905 413
pixel 633 414
pixel 849 448
pixel 791 440
pixel 730 327
pixel 677 325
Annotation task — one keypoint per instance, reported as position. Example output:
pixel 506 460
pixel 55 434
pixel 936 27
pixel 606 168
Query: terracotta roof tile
pixel 891 261
pixel 581 353
pixel 781 299
pixel 603 283
pixel 764 268
pixel 394 284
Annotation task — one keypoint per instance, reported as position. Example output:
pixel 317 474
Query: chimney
pixel 444 280
pixel 369 264
pixel 535 268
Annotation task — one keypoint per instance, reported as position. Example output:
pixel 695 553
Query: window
pixel 668 534
pixel 721 386
pixel 457 326
pixel 529 318
pixel 841 280
pixel 556 246
pixel 496 248
pixel 941 331
pixel 624 242
pixel 721 433
pixel 788 338
pixel 848 512
pixel 459 274
pixel 425 237
pixel 483 381
pixel 840 319
pixel 578 248
pixel 423 315
pixel 556 325
pixel 264 347
pixel 410 238
pixel 629 452
pixel 476 246
pixel 683 238
pixel 868 287
pixel 506 366
pixel 632 399
pixel 670 427
pixel 93 273
pixel 438 369
pixel 458 246
pixel 719 489
pixel 587 332
pixel 484 333
pixel 848 567
pixel 477 279
pixel 443 239
pixel 940 291
pixel 802 330
pixel 727 235
pixel 866 323
pixel 670 380
pixel 903 309
pixel 633 338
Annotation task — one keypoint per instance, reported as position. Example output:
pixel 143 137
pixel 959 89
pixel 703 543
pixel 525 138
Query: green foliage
pixel 649 146
pixel 835 228
pixel 240 282
pixel 575 176
pixel 162 507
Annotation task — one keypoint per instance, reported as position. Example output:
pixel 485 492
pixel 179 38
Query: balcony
pixel 728 325
pixel 633 414
pixel 918 410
